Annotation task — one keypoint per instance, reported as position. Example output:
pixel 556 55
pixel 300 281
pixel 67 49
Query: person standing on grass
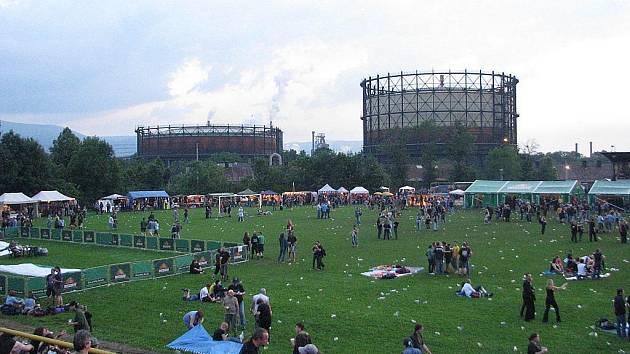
pixel 598 259
pixel 379 227
pixel 57 287
pixel 465 252
pixel 143 227
pixel 239 292
pixel 246 240
pixel 292 242
pixel 225 258
pixel 284 246
pixel 529 298
pixel 186 220
pixel 620 313
pixel 543 224
pixel 231 308
pixel 254 243
pixel 574 231
pixel 551 300
pixel 623 231
pixel 355 236
pixel 592 232
pixel 357 215
pixel 262 295
pixel 261 245
pixel 264 315
pixel 241 214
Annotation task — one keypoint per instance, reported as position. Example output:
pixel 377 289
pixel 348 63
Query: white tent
pixel 16 198
pixel 342 190
pixel 457 192
pixel 406 189
pixel 51 196
pixel 359 190
pixel 326 189
pixel 114 197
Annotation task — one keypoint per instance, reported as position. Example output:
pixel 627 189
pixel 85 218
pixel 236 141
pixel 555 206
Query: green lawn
pixel 73 255
pixel 348 313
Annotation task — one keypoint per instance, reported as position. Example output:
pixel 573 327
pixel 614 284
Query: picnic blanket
pixel 390 272
pixel 198 341
pixel 549 274
pixel 4 245
pixel 605 275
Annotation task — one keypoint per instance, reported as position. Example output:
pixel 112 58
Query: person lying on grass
pixel 469 291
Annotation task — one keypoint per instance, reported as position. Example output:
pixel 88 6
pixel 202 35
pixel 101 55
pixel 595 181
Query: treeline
pixel 87 169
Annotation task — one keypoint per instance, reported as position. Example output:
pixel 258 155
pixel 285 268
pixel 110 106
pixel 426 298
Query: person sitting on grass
pixel 80 321
pixel 217 291
pixel 42 347
pixel 195 268
pixel 571 265
pixel 469 291
pixel 582 271
pixel 556 266
pixel 221 334
pixel 14 301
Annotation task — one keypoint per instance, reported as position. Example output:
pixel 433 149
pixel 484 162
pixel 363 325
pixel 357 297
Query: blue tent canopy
pixel 198 341
pixel 147 194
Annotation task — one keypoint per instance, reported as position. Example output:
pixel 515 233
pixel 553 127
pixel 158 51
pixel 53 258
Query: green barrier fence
pixel 182 245
pixel 72 281
pixel 125 240
pixel 55 234
pixel 197 246
pixel 163 267
pixel 141 270
pixel 37 286
pixel 182 263
pixel 139 241
pixel 88 237
pixel 18 284
pixel 152 243
pixel 66 235
pixel 77 236
pixel 214 245
pixel 167 244
pixel 96 276
pixel 34 232
pixel 119 272
pixel 25 232
pixel 44 234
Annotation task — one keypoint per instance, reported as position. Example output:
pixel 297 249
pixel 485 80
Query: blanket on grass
pixel 391 272
pixel 605 275
pixel 198 341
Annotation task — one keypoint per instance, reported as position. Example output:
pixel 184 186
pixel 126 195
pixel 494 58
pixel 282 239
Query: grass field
pixel 348 313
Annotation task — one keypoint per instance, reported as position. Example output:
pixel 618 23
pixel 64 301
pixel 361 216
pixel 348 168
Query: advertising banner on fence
pixel 66 235
pixel 141 270
pixel 115 241
pixel 34 232
pixel 167 244
pixel 45 234
pixel 238 254
pixel 197 246
pixel 37 286
pixel 71 281
pixel 3 285
pixel 139 242
pixel 182 263
pixel 96 276
pixel 205 259
pixel 77 236
pixel 18 284
pixel 182 245
pixel 25 232
pixel 88 237
pixel 162 267
pixel 55 234
pixel 120 272
pixel 152 243
pixel 126 240
pixel 214 245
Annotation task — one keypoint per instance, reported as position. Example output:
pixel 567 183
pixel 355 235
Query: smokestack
pixel 312 142
pixel 576 148
pixel 590 151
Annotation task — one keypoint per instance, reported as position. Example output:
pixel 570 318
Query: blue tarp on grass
pixel 198 341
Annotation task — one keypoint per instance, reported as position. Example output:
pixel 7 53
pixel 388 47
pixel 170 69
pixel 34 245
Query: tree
pixel 25 165
pixel 94 169
pixel 459 142
pixel 395 148
pixel 462 171
pixel 546 170
pixel 503 163
pixel 198 177
pixel 64 147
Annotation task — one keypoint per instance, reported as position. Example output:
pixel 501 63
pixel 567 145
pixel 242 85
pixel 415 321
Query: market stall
pixel 13 203
pixel 114 201
pixel 139 200
pixel 250 198
pixel 52 201
pixel 359 195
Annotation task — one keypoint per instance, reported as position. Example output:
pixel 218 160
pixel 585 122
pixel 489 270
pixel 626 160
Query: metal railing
pixel 56 342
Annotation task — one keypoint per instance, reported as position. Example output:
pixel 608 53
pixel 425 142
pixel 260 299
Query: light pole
pixel 501 172
pixel 566 171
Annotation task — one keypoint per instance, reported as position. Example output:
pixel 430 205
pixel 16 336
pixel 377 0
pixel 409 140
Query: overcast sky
pixel 105 67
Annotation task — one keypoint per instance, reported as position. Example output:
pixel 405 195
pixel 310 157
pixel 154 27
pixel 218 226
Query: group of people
pixel 82 342
pixel 528 308
pixel 387 225
pixel 589 266
pixel 444 258
pixel 150 226
pixel 431 216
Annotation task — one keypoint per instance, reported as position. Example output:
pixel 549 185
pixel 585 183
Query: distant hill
pixel 45 134
pixel 126 145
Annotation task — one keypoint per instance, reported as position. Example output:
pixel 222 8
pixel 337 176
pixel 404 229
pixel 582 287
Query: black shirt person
pixel 529 297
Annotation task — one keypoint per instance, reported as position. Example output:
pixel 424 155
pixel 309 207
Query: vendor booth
pixel 327 189
pixel 250 198
pixel 270 198
pixel 484 193
pixel 13 203
pixel 343 195
pixel 52 201
pixel 616 193
pixel 291 199
pixel 112 202
pixel 359 195
pixel 139 200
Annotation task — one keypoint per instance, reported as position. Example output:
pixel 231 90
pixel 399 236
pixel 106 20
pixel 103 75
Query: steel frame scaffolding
pixel 485 103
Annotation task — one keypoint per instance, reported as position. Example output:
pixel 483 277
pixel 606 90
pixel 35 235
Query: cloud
pixel 188 77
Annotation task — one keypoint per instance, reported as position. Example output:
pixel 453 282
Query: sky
pixel 107 67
